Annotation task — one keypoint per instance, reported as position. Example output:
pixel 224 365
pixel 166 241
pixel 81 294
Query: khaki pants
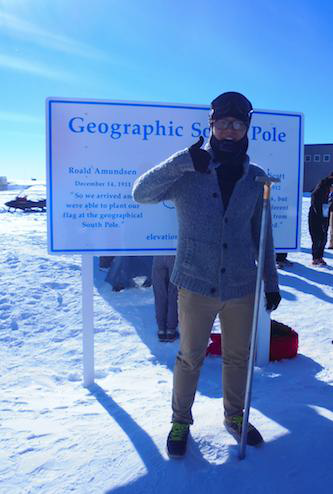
pixel 197 314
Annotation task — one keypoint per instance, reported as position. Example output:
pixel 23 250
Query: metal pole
pixel 88 320
pixel 260 268
pixel 263 333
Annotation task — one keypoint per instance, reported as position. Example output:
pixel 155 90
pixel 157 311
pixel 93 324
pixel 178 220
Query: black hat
pixel 231 104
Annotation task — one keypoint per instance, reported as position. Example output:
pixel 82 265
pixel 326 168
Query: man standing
pixel 319 219
pixel 330 225
pixel 218 203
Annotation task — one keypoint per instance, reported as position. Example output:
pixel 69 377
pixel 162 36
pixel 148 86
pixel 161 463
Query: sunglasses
pixel 224 124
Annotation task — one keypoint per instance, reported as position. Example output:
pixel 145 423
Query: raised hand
pixel 200 157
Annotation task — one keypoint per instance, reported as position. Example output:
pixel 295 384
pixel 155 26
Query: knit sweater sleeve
pixel 159 183
pixel 270 272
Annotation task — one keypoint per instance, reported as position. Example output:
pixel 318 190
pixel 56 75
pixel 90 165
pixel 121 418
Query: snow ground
pixel 58 437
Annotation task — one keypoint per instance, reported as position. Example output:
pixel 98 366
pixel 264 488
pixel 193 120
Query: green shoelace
pixel 178 431
pixel 238 420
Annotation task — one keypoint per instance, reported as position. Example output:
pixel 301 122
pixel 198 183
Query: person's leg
pixel 115 274
pixel 236 320
pixel 323 238
pixel 160 288
pixel 312 233
pixel 315 233
pixel 196 317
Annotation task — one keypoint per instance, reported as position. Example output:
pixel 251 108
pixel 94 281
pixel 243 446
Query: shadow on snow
pixel 294 461
pixel 287 393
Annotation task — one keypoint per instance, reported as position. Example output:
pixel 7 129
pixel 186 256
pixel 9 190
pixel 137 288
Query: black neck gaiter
pixel 231 155
pixel 229 152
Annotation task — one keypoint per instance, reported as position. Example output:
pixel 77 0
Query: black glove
pixel 200 157
pixel 272 300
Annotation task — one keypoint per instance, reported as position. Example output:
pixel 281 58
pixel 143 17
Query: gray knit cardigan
pixel 217 248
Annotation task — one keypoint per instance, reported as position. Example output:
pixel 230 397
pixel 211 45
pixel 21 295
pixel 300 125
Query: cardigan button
pixel 223 270
pixel 212 290
pixel 225 245
pixel 215 194
pixel 225 220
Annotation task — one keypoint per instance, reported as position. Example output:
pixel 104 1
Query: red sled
pixel 215 346
pixel 284 342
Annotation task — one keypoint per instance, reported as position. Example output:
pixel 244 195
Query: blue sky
pixel 277 53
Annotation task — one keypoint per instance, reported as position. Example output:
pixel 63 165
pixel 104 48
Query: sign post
pixel 95 151
pixel 88 319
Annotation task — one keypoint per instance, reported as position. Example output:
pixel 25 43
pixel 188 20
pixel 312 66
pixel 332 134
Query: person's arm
pixel 158 183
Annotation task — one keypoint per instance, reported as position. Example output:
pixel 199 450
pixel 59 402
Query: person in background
pixel 318 219
pixel 105 262
pixel 124 269
pixel 218 203
pixel 165 294
pixel 330 226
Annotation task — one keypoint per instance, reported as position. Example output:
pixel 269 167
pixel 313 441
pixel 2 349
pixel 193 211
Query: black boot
pixel 234 427
pixel 177 440
pixel 162 335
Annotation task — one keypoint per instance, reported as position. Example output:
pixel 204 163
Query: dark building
pixel 318 164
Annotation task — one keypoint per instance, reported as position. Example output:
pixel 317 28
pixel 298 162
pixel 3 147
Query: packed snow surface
pixel 59 437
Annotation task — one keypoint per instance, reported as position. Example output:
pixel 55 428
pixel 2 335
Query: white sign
pixel 96 149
